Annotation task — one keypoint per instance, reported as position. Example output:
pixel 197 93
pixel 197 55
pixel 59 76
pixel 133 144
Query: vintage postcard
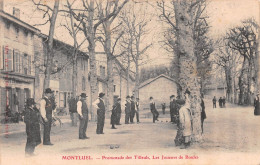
pixel 129 82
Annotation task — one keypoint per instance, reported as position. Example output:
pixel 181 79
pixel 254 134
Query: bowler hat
pixel 127 97
pixel 30 101
pixel 132 97
pixel 151 98
pixel 172 96
pixel 48 90
pixel 101 94
pixel 83 95
pixel 118 99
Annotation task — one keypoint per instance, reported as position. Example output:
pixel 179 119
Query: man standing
pixel 153 110
pixel 73 111
pixel 127 109
pixel 118 111
pixel 82 109
pixel 175 110
pixel 137 110
pixel 115 110
pixel 256 105
pixel 203 113
pixel 163 108
pixel 31 119
pixel 100 105
pixel 46 109
pixel 224 102
pixel 132 113
pixel 172 97
pixel 220 102
pixel 214 102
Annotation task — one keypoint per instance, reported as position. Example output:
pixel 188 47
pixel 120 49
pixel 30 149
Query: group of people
pixel 221 102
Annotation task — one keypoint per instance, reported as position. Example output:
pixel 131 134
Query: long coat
pixel 114 113
pixel 257 106
pixel 185 120
pixel 31 119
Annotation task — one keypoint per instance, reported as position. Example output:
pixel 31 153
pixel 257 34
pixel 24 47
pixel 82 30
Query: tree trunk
pixel 137 79
pixel 188 67
pixel 74 78
pixel 127 75
pixel 110 64
pixel 228 82
pixel 240 83
pixel 92 58
pixel 50 53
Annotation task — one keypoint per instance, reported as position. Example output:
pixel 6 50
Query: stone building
pixel 160 88
pixel 17 72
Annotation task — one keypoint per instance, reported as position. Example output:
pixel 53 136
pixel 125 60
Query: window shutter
pixel 8 53
pixel 16 61
pixel 21 63
pixel 2 59
pixel 29 65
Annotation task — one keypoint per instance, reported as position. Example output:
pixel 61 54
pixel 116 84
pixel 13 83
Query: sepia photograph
pixel 122 82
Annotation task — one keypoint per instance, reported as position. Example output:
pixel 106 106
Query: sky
pixel 224 14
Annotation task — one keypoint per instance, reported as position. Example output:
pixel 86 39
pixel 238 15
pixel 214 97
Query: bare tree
pixel 182 16
pixel 243 39
pixel 135 26
pixel 109 47
pixel 52 16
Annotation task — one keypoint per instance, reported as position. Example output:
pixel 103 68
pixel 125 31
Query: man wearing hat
pixel 100 105
pixel 132 113
pixel 31 119
pixel 118 111
pixel 127 109
pixel 82 109
pixel 46 109
pixel 153 110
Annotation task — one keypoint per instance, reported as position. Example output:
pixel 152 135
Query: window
pixel 17 67
pixel 25 64
pixel 83 83
pixel 29 65
pixel 25 37
pixel 83 66
pixel 114 88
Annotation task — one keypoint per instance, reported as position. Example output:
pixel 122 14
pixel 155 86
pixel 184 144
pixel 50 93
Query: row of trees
pixel 237 56
pixel 118 29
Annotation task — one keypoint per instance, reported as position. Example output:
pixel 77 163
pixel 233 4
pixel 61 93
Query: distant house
pixel 160 88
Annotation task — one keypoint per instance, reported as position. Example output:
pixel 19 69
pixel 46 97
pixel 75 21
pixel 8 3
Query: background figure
pixel 73 111
pixel 127 109
pixel 214 102
pixel 100 105
pixel 113 119
pixel 179 139
pixel 153 110
pixel 256 105
pixel 46 108
pixel 220 102
pixel 132 113
pixel 186 120
pixel 82 109
pixel 203 113
pixel 32 121
pixel 137 110
pixel 171 108
pixel 118 111
pixel 224 102
pixel 163 108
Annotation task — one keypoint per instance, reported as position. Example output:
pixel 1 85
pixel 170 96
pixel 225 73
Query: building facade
pixel 17 72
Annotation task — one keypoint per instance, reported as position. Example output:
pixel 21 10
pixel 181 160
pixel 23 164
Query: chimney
pixel 1 4
pixel 16 12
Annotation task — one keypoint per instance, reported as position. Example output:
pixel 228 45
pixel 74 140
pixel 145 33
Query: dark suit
pixel 100 117
pixel 203 114
pixel 31 119
pixel 154 112
pixel 118 113
pixel 47 124
pixel 127 112
pixel 132 113
pixel 83 120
